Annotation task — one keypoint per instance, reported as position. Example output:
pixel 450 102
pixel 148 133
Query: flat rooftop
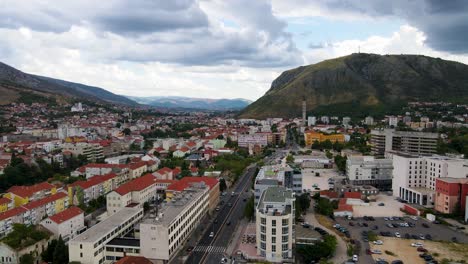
pixel 98 231
pixel 168 212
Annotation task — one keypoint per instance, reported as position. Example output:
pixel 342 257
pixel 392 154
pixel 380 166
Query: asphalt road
pixel 212 249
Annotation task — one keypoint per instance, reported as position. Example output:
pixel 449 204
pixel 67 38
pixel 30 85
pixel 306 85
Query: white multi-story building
pixel 311 120
pixel 138 191
pixel 92 151
pixel 409 142
pixel 393 121
pixel 275 224
pixel 163 232
pixel 276 175
pixel 346 120
pixel 244 140
pixel 89 247
pixel 68 223
pixel 369 120
pixel 414 177
pixel 366 170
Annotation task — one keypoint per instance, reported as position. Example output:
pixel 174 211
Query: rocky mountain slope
pixel 15 84
pixel 361 84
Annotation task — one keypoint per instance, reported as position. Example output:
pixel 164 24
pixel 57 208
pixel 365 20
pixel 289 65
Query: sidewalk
pixel 341 250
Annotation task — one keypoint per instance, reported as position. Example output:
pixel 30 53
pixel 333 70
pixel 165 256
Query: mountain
pixel 362 84
pixel 192 103
pixel 17 84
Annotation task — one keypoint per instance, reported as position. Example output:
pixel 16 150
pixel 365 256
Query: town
pixel 95 183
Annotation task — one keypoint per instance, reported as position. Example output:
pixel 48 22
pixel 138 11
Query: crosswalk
pixel 213 249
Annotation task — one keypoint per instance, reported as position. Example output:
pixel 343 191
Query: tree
pixel 27 259
pixel 290 159
pixel 249 209
pixel 222 185
pixel 340 162
pixel 60 252
pixel 48 254
pixel 327 144
pixel 146 206
pixel 316 145
pixel 328 154
pixel 319 251
pixel 126 131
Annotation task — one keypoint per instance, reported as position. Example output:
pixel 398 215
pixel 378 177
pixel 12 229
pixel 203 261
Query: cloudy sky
pixel 216 48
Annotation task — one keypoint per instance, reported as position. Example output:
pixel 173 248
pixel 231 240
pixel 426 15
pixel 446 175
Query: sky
pixel 215 48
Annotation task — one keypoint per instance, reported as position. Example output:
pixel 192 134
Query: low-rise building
pixel 89 246
pixel 187 182
pixel 451 195
pixel 311 136
pixel 24 194
pixel 260 139
pixel 92 188
pixel 68 223
pixel 39 209
pixel 275 224
pixel 273 175
pixel 366 170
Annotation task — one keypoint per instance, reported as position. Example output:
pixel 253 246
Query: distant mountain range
pixel 192 103
pixel 15 85
pixel 362 84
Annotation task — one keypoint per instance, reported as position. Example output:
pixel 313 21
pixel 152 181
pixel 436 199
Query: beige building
pixel 275 224
pixel 409 142
pixel 89 247
pixel 68 223
pixel 163 232
pixel 92 151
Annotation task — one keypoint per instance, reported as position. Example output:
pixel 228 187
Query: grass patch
pixel 372 236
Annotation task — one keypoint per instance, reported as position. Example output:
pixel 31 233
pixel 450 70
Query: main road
pixel 211 249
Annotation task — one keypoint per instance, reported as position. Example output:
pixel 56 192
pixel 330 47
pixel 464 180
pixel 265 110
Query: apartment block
pixel 275 224
pixel 68 223
pixel 92 188
pixel 366 170
pixel 92 151
pixel 244 140
pixel 276 175
pixel 450 194
pixel 137 191
pixel 414 177
pixel 186 182
pixel 408 142
pixel 311 136
pixel 24 194
pixel 164 230
pixel 89 247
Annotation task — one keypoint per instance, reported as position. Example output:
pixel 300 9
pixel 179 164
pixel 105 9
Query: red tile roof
pixel 44 201
pixel 27 191
pixel 353 195
pixel 329 194
pixel 137 165
pixel 133 260
pixel 164 170
pixel 95 180
pixel 137 184
pixel 166 181
pixel 66 215
pixel 12 212
pixel 185 182
pixel 176 171
pixel 4 200
pixel 344 208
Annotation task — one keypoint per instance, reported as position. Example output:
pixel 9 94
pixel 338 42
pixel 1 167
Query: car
pixel 421 249
pixel 425 225
pixel 371 218
pixel 228 223
pixel 397 235
pixel 381 204
pixel 365 224
pixel 415 218
pixel 381 261
pixel 414 236
pixel 454 239
pixel 351 223
pixel 233 193
pixel 355 258
pixel 390 219
pixel 378 242
pixel 216 221
pixel 436 222
pixel 212 234
pixel 375 227
pixel 417 244
pixel 224 260
pixel 245 200
pixel 376 251
pixel 306 225
pixel 217 208
pixel 386 218
pixel 189 249
pixel 428 237
pixel 407 236
pixel 230 204
pixel 397 262
pixel 422 237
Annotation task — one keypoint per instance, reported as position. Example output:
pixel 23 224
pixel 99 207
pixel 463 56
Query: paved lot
pixel 309 178
pixel 391 207
pixel 438 232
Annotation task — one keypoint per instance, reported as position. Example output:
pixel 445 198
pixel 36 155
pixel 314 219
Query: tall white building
pixel 369 120
pixel 346 120
pixel 414 177
pixel 393 121
pixel 244 140
pixel 366 170
pixel 410 142
pixel 276 175
pixel 275 224
pixel 89 247
pixel 164 231
pixel 311 120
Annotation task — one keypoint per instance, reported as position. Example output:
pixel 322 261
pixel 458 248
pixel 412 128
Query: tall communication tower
pixel 304 109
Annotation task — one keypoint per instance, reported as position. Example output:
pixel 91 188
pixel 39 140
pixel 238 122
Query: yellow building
pixel 22 195
pixel 5 204
pixel 311 136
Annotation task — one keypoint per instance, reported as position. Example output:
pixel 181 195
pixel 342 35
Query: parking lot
pixel 412 232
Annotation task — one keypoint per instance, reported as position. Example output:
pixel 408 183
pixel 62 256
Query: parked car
pixel 421 249
pixel 212 234
pixel 425 225
pixel 381 204
pixel 355 258
pixel 378 242
pixel 189 249
pixel 397 235
pixel 417 244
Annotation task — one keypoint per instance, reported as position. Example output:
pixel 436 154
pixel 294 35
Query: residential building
pixel 10 217
pixel 369 120
pixel 89 246
pixel 163 232
pixel 275 224
pixel 187 182
pixel 11 254
pixel 392 121
pixel 85 191
pixel 311 121
pixel 40 209
pixel 311 136
pixel 137 169
pixel 24 194
pixel 414 177
pixel 137 191
pixel 68 223
pixel 346 120
pixel 366 170
pixel 451 195
pixel 244 140
pixel 164 174
pixel 5 204
pixel 409 142
pixel 92 151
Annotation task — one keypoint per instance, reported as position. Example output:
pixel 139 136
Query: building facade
pixel 408 142
pixel 451 195
pixel 366 170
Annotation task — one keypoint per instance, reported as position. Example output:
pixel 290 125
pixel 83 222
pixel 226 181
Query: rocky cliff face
pixel 361 84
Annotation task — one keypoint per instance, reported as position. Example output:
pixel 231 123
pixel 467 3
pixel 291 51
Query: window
pixel 273 231
pixel 284 247
pixel 273 239
pixel 262 229
pixel 263 221
pixel 285 230
pixel 273 222
pixel 284 239
pixel 273 248
pixel 285 222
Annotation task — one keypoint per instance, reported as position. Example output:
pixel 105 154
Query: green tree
pixel 60 252
pixel 340 162
pixel 249 209
pixel 222 185
pixel 126 131
pixel 27 259
pixel 316 145
pixel 290 159
pixel 48 254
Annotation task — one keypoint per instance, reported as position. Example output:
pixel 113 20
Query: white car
pixel 376 251
pixel 355 258
pixel 397 234
pixel 417 244
pixel 415 218
pixel 212 234
pixel 378 242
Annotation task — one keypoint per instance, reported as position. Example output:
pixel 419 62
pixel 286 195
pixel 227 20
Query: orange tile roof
pixel 164 170
pixel 12 212
pixel 66 215
pixel 4 200
pixel 133 260
pixel 352 195
pixel 137 184
pixel 95 180
pixel 27 191
pixel 44 201
pixel 185 182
